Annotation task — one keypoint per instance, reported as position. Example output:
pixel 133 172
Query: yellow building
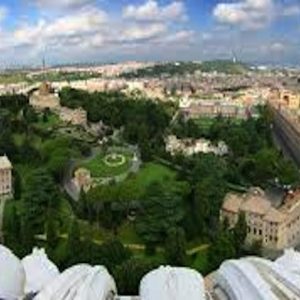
pixel 285 98
pixel 5 177
pixel 276 228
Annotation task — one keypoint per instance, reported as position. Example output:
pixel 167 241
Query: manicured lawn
pixel 149 173
pixel 99 168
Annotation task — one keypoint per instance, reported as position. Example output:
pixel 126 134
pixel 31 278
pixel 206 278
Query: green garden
pixel 165 213
pixel 110 163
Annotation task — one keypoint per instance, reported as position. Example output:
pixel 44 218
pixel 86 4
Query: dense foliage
pixel 182 68
pixel 143 121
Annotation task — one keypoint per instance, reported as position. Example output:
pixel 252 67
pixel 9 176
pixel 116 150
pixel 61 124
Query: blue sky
pixel 65 31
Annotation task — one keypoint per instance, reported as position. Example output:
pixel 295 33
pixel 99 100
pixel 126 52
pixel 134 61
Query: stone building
pixel 73 116
pixel 276 227
pixel 44 98
pixel 82 179
pixel 284 98
pixel 5 177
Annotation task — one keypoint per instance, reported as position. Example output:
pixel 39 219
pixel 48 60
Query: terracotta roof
pixel 232 202
pixel 256 204
pixel 273 215
pixel 5 163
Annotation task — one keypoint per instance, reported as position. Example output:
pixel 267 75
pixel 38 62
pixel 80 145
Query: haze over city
pixel 74 31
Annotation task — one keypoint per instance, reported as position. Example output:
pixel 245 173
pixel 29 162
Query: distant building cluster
pixel 276 228
pixel 193 146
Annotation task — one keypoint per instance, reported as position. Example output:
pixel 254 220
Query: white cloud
pixel 253 14
pixel 142 32
pixel 151 11
pixel 61 4
pixel 90 32
pixel 248 14
pixel 277 47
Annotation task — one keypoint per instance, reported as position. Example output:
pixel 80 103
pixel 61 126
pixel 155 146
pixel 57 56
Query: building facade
pixel 276 227
pixel 5 177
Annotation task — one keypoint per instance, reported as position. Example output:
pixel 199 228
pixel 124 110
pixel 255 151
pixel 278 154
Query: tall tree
pixel 240 233
pixel 51 231
pixel 162 209
pixel 73 250
pixel 175 247
pixel 40 195
pixel 129 274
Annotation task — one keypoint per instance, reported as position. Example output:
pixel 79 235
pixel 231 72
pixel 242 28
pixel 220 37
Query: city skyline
pixel 68 31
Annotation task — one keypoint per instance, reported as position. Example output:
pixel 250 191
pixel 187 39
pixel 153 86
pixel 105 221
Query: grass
pixel 99 168
pixel 149 173
pixel 52 121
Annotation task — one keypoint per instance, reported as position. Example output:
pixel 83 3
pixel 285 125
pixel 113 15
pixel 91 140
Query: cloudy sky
pixel 112 30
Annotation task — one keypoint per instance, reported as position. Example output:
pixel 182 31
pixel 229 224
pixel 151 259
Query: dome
pixel 81 282
pixel 167 283
pixel 12 275
pixel 39 271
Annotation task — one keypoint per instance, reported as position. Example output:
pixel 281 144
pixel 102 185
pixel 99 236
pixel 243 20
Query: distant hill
pixel 224 66
pixel 181 68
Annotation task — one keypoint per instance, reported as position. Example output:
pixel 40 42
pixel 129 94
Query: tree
pixel 221 249
pixel 40 195
pixel 161 209
pixel 73 250
pixel 129 274
pixel 12 228
pixel 208 197
pixel 51 231
pixel 240 233
pixel 175 247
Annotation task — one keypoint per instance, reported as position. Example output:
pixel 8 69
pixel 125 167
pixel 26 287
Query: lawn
pixel 52 121
pixel 149 173
pixel 99 168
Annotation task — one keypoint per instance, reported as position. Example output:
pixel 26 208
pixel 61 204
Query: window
pixel 260 232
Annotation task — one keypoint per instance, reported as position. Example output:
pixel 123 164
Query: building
pixel 212 109
pixel 276 227
pixel 73 116
pixel 82 179
pixel 193 146
pixel 5 177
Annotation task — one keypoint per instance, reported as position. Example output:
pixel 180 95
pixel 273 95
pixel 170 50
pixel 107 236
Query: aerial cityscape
pixel 150 150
